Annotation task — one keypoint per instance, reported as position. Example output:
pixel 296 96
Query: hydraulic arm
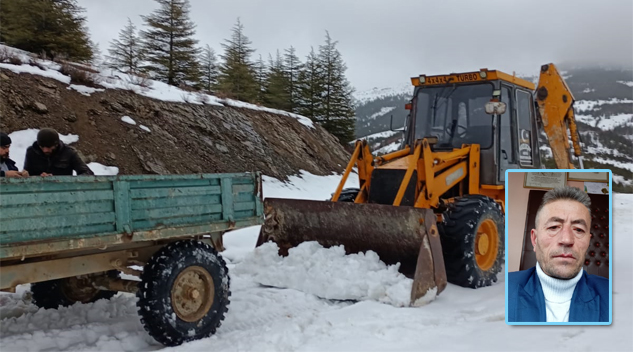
pixel 555 107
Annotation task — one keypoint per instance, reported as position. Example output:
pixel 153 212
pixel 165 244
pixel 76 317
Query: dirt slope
pixel 184 138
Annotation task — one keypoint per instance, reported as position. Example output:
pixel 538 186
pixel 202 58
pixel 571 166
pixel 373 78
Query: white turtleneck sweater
pixel 558 295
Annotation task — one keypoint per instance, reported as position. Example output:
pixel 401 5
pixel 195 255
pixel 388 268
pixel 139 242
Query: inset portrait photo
pixel 558 254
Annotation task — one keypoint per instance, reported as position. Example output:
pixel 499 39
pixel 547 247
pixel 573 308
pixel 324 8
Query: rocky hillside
pixel 177 138
pixel 604 112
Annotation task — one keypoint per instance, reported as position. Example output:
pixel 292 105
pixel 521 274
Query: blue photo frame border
pixel 610 247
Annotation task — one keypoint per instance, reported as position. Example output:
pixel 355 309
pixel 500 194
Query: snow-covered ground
pixel 307 317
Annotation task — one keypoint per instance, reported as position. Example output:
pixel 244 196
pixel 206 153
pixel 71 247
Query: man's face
pixel 48 150
pixel 561 238
pixel 4 151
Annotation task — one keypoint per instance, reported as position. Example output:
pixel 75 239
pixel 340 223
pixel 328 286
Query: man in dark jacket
pixel 7 166
pixel 49 156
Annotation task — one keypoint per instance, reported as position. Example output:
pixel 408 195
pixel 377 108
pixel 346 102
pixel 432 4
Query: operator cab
pixel 489 108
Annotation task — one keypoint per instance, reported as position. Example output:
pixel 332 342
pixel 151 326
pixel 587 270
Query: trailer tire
pixel 68 291
pixel 184 292
pixel 473 241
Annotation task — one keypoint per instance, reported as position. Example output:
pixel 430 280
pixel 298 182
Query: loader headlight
pixel 422 79
pixel 483 74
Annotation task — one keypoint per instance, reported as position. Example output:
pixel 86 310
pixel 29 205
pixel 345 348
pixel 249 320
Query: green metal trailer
pixel 72 237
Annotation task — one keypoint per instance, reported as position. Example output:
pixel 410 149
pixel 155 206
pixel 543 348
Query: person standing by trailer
pixel 49 156
pixel 7 166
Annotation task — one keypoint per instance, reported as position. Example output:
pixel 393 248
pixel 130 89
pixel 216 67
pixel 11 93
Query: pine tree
pixel 310 88
pixel 276 96
pixel 53 27
pixel 209 65
pixel 261 77
pixel 126 54
pixel 292 67
pixel 169 45
pixel 338 108
pixel 237 73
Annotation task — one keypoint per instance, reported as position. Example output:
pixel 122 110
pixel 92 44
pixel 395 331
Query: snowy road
pixel 262 318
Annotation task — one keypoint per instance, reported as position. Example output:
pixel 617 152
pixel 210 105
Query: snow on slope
pixel 377 93
pixel 383 111
pixel 116 80
pixel 272 319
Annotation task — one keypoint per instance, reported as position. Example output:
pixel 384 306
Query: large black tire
pixel 170 309
pixel 469 263
pixel 68 291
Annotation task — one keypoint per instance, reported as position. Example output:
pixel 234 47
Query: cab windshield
pixel 455 115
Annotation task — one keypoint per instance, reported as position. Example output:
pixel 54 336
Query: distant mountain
pixel 604 113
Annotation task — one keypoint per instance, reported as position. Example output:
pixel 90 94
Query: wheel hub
pixel 483 244
pixel 486 244
pixel 192 293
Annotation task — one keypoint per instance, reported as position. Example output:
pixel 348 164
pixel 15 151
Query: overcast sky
pixel 385 42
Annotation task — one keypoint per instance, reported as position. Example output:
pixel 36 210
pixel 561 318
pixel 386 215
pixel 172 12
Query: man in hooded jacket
pixel 49 156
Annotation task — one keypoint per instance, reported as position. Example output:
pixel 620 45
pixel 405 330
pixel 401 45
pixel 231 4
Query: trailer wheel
pixel 68 291
pixel 473 241
pixel 184 292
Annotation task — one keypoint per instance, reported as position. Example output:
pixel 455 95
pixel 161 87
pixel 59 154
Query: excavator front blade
pixel 404 235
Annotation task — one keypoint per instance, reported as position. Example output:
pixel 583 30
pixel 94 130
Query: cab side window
pixel 524 128
pixel 506 136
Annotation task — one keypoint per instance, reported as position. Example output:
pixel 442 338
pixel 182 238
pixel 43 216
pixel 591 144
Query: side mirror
pixel 495 108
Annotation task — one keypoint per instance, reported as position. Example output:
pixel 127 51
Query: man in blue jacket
pixel 558 289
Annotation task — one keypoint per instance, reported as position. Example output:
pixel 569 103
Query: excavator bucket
pixel 398 234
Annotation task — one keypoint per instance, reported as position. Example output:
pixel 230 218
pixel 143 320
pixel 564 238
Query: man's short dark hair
pixel 564 193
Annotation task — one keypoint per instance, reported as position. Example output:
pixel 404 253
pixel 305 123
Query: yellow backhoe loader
pixel 436 206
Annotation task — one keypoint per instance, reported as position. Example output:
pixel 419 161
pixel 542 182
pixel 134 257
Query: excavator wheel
pixel 473 241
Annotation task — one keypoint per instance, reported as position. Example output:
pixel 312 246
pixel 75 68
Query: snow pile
pixel 328 273
pixel 145 128
pixel 128 119
pixel 84 90
pixel 34 70
pixel 21 140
